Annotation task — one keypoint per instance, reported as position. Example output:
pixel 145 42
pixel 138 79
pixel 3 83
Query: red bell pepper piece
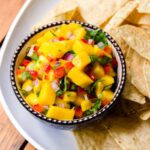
pixel 61 38
pixel 33 74
pixel 68 66
pixel 108 49
pixel 59 72
pixel 78 112
pixel 102 53
pixel 85 41
pixel 35 48
pixel 80 91
pixel 25 62
pixel 47 68
pixel 105 102
pixel 107 69
pixel 38 108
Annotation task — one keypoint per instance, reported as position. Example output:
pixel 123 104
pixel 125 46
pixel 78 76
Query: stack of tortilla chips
pixel 128 22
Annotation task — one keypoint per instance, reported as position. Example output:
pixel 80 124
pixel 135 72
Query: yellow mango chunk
pixel 47 36
pixel 55 49
pixel 32 99
pixel 61 103
pixel 107 80
pixel 98 70
pixel 96 50
pixel 70 96
pixel 60 113
pixel 107 94
pixel 27 85
pixel 79 100
pixel 73 26
pixel 99 88
pixel 79 33
pixel 80 78
pixel 85 105
pixel 47 94
pixel 80 46
pixel 81 60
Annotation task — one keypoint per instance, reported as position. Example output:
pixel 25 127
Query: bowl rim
pixel 74 121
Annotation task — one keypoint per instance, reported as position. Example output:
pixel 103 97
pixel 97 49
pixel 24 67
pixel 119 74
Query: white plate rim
pixel 2 99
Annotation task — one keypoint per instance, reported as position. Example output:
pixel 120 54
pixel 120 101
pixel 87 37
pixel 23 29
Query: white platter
pixel 37 133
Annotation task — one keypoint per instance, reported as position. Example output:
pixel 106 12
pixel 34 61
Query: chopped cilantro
pixel 35 56
pixel 94 108
pixel 26 75
pixel 97 36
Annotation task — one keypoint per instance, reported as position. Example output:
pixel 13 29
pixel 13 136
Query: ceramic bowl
pixel 20 53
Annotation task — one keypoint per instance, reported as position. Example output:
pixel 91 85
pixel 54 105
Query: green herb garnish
pixel 97 36
pixel 26 75
pixel 94 108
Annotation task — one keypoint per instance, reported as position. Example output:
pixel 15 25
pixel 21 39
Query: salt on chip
pixel 137 18
pixel 140 74
pixel 137 39
pixel 121 15
pixel 98 11
pixel 144 6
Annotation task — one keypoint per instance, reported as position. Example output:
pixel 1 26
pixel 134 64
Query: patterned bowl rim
pixel 74 121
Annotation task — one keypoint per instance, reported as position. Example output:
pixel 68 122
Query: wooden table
pixel 10 138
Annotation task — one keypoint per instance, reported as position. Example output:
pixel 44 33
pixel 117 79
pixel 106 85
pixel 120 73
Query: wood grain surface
pixel 10 138
pixel 8 11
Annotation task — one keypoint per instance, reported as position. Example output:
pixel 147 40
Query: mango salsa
pixel 66 75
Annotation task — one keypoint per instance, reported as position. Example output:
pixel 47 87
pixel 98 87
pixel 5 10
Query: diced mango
pixel 81 60
pixel 107 94
pixel 79 100
pixel 70 96
pixel 80 46
pixel 56 49
pixel 99 88
pixel 107 80
pixel 60 113
pixel 47 94
pixel 31 65
pixel 98 70
pixel 79 33
pixel 80 78
pixel 97 50
pixel 85 105
pixel 32 99
pixel 27 85
pixel 47 36
pixel 61 103
pixel 73 26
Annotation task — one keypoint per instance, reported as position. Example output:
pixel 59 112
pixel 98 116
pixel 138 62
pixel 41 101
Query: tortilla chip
pixel 118 38
pixel 137 39
pixel 128 132
pixel 141 111
pixel 130 92
pixel 98 11
pixel 144 6
pixel 145 115
pixel 95 138
pixel 121 15
pixel 64 10
pixel 140 73
pixel 137 19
